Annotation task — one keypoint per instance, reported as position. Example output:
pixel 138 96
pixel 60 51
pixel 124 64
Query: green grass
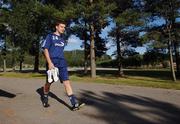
pixel 22 75
pixel 144 78
pixel 132 81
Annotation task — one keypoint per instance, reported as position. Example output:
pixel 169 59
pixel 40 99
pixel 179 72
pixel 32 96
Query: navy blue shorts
pixel 61 64
pixel 63 74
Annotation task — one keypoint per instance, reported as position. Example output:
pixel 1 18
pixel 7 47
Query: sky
pixel 74 42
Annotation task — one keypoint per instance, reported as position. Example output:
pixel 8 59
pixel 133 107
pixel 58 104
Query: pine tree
pixel 168 10
pixel 94 14
pixel 31 20
pixel 126 16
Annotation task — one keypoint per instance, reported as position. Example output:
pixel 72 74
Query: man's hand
pixel 50 66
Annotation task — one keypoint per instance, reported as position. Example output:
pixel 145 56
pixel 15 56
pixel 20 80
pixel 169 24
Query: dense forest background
pixel 154 24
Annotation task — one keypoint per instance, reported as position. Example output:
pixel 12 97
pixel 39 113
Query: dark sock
pixel 73 100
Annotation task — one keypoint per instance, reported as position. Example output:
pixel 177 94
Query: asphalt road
pixel 20 103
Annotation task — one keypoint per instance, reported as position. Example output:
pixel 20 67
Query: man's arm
pixel 50 64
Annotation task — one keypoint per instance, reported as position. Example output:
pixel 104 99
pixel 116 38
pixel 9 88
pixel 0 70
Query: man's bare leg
pixel 68 87
pixel 46 91
pixel 73 99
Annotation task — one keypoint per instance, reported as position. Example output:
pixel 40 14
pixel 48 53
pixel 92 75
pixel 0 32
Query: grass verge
pixel 133 79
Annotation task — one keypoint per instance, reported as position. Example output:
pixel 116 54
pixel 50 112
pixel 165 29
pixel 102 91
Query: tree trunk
pixel 21 59
pixel 36 60
pixel 13 58
pixel 171 57
pixel 36 63
pixel 85 51
pixel 13 64
pixel 92 52
pixel 119 54
pixel 4 65
pixel 176 49
pixel 20 65
pixel 4 55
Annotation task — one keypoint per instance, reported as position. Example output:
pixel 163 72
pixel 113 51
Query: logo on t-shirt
pixel 59 44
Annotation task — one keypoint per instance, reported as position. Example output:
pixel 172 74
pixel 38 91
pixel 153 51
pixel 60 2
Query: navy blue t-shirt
pixel 55 45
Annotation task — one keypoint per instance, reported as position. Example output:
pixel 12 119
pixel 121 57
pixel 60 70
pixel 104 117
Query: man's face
pixel 61 28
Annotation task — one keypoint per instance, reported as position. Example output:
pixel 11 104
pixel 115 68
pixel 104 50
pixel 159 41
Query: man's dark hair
pixel 59 21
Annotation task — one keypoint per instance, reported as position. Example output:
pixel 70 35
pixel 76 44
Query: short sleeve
pixel 47 42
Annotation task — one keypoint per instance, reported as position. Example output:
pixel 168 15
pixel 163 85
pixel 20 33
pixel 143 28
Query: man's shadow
pixel 6 94
pixel 52 95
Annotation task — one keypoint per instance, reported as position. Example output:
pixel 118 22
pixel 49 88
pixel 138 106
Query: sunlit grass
pixel 150 78
pixel 132 81
pixel 22 75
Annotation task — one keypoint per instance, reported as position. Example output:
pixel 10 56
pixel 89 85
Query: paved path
pixel 20 103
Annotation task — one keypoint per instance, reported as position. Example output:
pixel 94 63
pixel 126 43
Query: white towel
pixel 53 75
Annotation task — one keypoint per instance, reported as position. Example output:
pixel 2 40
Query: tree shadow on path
pixel 52 95
pixel 125 109
pixel 6 94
